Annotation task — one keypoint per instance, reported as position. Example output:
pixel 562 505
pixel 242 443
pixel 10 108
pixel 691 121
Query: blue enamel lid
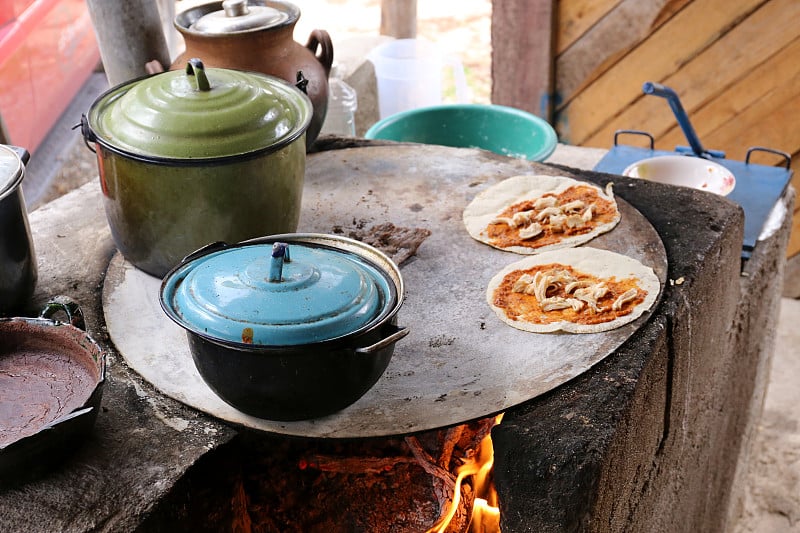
pixel 276 294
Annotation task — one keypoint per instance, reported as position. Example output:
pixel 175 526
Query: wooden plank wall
pixel 734 63
pixel 523 41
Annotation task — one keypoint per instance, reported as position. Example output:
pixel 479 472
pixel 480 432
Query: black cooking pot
pixel 18 270
pixel 51 384
pixel 288 327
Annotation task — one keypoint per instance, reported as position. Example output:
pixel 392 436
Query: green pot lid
pixel 276 294
pixel 10 170
pixel 199 114
pixel 237 16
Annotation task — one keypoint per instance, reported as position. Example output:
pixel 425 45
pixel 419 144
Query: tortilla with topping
pixel 529 214
pixel 577 290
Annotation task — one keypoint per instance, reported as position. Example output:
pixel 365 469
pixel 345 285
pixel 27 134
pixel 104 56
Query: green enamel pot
pixel 195 156
pixel 500 129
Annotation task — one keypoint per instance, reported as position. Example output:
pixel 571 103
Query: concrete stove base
pixel 653 438
pixel 648 440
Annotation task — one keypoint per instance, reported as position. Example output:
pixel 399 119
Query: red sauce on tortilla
pixel 525 307
pixel 604 211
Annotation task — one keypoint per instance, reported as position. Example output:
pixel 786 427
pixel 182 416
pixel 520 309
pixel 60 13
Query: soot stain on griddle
pixel 397 242
pixel 441 340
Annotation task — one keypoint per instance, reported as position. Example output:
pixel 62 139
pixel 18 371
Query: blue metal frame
pixel 758 187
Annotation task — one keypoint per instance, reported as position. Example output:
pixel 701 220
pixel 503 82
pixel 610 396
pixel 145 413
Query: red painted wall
pixel 47 51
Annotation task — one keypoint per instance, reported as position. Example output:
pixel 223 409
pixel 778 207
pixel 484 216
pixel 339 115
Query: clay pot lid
pixel 238 16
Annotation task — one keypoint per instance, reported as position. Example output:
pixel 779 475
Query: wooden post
pixel 523 44
pixel 129 35
pixel 399 18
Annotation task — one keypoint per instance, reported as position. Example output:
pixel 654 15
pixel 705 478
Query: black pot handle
pixel 383 343
pixel 787 159
pixel 86 131
pixel 69 416
pixel 633 132
pixel 207 249
pixel 69 307
pixel 302 82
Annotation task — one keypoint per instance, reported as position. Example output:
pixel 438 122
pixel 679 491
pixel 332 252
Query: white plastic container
pixel 409 73
pixel 342 105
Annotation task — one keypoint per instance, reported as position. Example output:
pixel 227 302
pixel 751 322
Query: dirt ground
pixel 772 488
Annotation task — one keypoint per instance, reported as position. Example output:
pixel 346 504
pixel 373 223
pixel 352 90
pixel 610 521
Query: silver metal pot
pixel 18 270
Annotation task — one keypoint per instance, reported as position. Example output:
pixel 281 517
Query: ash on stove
pixel 397 242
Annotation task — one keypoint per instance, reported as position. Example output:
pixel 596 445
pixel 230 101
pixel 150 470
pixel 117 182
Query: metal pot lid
pixel 10 169
pixel 238 16
pixel 276 294
pixel 200 113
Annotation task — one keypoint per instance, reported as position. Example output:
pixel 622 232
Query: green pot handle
pixel 194 67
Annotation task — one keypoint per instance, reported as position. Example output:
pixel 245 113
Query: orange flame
pixel 485 510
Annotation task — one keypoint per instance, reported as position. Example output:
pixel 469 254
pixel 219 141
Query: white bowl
pixel 686 171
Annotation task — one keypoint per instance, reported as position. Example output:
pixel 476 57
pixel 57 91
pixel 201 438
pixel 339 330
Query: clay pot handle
pixel 321 39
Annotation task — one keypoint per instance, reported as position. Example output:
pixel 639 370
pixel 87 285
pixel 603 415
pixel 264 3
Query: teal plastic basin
pixel 499 129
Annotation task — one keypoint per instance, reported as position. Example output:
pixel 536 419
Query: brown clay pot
pixel 264 44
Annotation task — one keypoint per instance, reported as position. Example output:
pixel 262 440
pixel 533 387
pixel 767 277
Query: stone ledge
pixel 791 282
pixel 663 424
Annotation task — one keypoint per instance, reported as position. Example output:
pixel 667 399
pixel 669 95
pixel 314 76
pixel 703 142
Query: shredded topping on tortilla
pixel 551 217
pixel 554 292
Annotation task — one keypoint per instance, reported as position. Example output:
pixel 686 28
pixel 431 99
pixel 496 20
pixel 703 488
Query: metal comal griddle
pixel 459 362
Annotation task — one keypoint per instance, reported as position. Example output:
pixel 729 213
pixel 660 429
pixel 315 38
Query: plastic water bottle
pixel 342 104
